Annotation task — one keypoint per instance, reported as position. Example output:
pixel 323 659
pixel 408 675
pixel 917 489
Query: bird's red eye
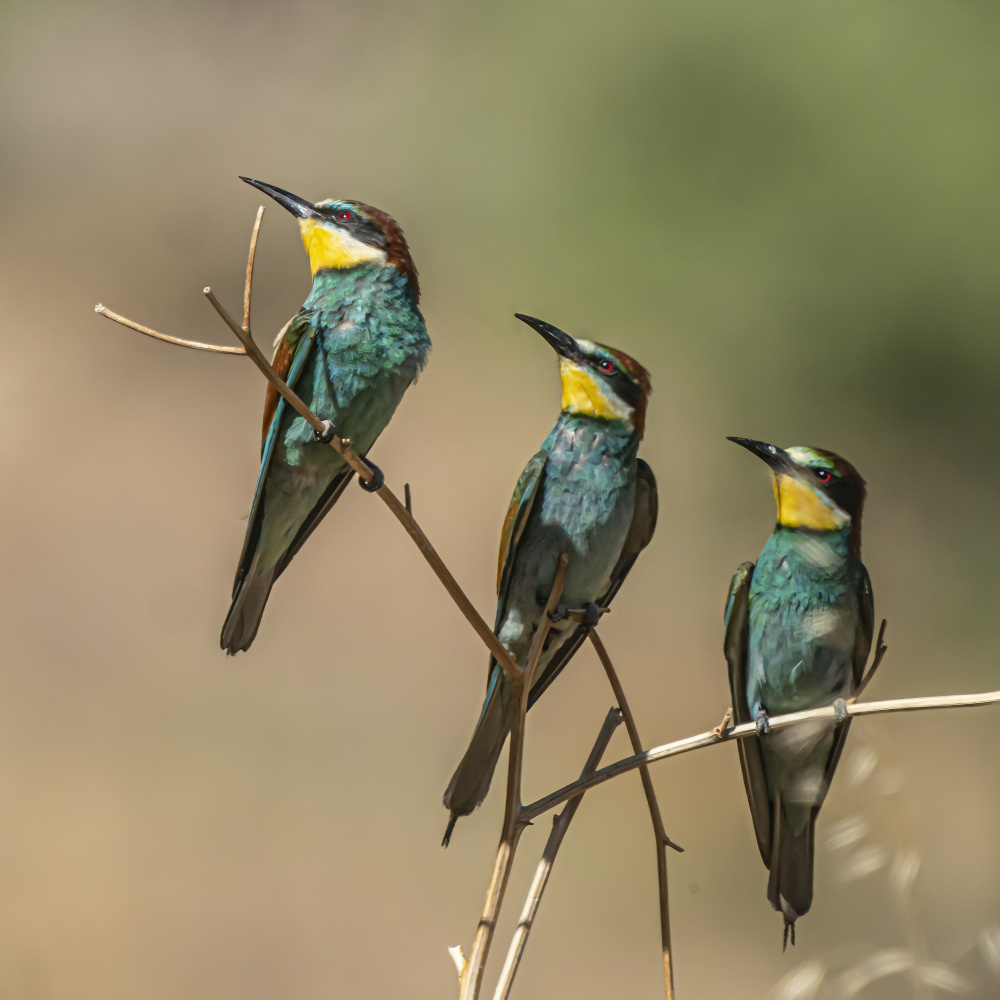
pixel 606 366
pixel 345 215
pixel 823 475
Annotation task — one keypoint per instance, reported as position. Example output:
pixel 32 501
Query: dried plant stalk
pixel 659 832
pixel 472 978
pixel 560 824
pixel 713 737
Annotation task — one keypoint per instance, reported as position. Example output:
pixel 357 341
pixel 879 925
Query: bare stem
pixel 513 824
pixel 250 257
pixel 165 337
pixel 712 737
pixel 560 824
pixel 659 832
pixel 362 468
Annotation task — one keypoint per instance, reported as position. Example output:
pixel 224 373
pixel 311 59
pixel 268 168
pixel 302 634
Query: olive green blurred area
pixel 787 211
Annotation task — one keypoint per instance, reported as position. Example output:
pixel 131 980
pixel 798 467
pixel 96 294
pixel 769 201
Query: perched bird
pixel 350 352
pixel 798 634
pixel 585 494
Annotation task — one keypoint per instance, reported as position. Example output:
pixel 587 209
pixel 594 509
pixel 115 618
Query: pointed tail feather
pixel 790 886
pixel 471 780
pixel 245 612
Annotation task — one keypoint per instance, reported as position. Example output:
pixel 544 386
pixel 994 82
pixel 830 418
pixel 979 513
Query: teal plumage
pixel 798 634
pixel 350 353
pixel 585 494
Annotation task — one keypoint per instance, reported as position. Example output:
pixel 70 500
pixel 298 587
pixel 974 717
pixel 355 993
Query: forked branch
pixel 659 831
pixel 340 445
pixel 560 824
pixel 714 737
pixel 513 824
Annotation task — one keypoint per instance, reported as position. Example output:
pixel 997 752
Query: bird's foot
pixel 589 615
pixel 763 723
pixel 559 613
pixel 377 480
pixel 840 714
pixel 327 433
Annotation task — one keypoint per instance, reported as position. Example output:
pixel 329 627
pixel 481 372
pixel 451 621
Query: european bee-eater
pixel 350 352
pixel 798 634
pixel 585 494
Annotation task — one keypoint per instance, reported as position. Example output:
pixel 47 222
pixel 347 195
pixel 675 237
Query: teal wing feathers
pixel 639 536
pixel 305 333
pixel 528 489
pixel 862 647
pixel 737 624
pixel 526 492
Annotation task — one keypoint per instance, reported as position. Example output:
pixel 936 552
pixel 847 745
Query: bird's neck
pixel 586 433
pixel 827 551
pixel 343 282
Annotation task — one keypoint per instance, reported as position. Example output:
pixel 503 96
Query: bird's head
pixel 814 489
pixel 597 381
pixel 341 234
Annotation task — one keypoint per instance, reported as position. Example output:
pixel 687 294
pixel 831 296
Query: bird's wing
pixel 737 625
pixel 301 335
pixel 862 647
pixel 528 488
pixel 640 533
pixel 281 361
pixel 866 626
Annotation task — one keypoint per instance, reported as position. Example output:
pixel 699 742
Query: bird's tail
pixel 245 612
pixel 471 780
pixel 790 887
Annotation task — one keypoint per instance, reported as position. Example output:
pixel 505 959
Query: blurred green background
pixel 787 211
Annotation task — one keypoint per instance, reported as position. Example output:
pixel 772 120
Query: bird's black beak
pixel 296 205
pixel 562 343
pixel 777 458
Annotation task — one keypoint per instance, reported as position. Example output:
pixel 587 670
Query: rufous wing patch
pixel 508 524
pixel 281 362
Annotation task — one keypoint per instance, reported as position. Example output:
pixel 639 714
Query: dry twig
pixel 340 445
pixel 513 824
pixel 560 824
pixel 712 738
pixel 659 832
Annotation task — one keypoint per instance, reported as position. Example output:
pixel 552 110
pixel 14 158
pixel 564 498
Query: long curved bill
pixel 296 205
pixel 562 343
pixel 777 458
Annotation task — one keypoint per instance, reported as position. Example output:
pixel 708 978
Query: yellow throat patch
pixel 584 392
pixel 328 247
pixel 800 506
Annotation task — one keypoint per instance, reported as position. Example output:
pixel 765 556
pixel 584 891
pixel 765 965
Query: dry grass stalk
pixel 560 824
pixel 659 831
pixel 513 824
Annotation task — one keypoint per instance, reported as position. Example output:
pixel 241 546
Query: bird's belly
pixel 800 660
pixel 593 545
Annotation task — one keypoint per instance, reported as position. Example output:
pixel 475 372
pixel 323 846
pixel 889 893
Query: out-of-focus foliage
pixel 788 212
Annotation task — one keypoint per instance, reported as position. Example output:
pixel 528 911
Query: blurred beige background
pixel 787 211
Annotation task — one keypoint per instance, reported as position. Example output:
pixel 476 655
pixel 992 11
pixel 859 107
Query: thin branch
pixel 340 445
pixel 165 337
pixel 250 257
pixel 343 448
pixel 659 832
pixel 513 824
pixel 711 738
pixel 560 824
